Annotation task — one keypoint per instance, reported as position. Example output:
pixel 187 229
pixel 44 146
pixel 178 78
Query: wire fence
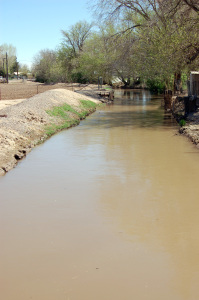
pixel 23 90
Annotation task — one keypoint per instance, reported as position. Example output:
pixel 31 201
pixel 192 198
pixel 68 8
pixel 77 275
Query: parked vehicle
pixel 2 80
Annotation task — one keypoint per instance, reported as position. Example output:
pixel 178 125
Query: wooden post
pixel 17 69
pixel 167 99
pixel 111 96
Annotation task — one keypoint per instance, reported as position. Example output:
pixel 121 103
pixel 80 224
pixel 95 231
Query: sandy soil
pixel 6 103
pixel 23 123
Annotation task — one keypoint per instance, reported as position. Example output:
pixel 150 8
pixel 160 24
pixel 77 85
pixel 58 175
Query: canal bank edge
pixel 32 121
pixel 186 112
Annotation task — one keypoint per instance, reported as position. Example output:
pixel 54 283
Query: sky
pixel 34 25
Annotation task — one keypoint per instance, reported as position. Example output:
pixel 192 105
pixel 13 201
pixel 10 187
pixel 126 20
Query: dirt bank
pixel 190 122
pixel 31 121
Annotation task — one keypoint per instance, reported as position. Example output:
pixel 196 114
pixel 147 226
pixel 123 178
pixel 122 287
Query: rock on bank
pixel 22 126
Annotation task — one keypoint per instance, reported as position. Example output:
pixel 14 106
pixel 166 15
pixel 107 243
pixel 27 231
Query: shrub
pixel 155 86
pixel 182 122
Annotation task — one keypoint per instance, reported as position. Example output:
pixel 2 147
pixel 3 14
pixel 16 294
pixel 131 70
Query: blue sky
pixel 33 25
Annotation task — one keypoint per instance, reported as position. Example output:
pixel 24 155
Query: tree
pixel 15 66
pixel 76 36
pixel 97 58
pixel 11 54
pixel 71 50
pixel 108 54
pixel 24 69
pixel 165 41
pixel 46 67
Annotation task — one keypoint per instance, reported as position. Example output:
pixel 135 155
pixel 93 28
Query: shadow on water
pixel 139 109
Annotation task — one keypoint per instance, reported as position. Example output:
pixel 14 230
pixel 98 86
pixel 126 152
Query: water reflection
pixel 134 109
pixel 132 97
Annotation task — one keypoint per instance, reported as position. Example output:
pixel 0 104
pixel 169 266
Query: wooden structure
pixel 167 99
pixel 194 84
pixel 106 94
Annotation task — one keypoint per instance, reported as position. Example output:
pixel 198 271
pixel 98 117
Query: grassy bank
pixel 32 121
pixel 67 115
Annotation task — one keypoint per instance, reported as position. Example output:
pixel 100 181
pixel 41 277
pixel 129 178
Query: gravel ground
pixel 7 103
pixel 22 126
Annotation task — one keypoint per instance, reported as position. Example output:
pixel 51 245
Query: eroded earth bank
pixel 187 115
pixel 30 122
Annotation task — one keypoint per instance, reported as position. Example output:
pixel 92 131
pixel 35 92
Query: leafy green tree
pixel 46 67
pixel 71 50
pixel 164 42
pixel 107 54
pixel 15 66
pixel 97 58
pixel 11 55
pixel 24 70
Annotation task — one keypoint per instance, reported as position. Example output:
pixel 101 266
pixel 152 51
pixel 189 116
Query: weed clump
pixel 182 122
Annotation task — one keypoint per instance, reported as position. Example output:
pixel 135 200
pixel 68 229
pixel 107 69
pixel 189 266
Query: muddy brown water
pixel 107 210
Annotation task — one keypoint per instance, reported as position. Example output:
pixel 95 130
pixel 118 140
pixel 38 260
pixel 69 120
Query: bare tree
pixel 75 37
pixel 193 4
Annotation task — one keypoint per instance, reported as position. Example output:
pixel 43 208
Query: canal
pixel 107 210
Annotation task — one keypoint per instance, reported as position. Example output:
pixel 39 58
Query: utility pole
pixel 7 67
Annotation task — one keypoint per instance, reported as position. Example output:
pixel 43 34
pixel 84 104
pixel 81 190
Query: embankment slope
pixel 30 122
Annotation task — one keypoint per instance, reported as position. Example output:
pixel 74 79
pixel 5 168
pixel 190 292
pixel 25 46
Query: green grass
pixel 69 115
pixel 52 129
pixel 182 122
pixel 61 111
pixel 87 104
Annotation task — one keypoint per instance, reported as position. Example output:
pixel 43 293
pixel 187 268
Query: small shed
pixel 194 83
